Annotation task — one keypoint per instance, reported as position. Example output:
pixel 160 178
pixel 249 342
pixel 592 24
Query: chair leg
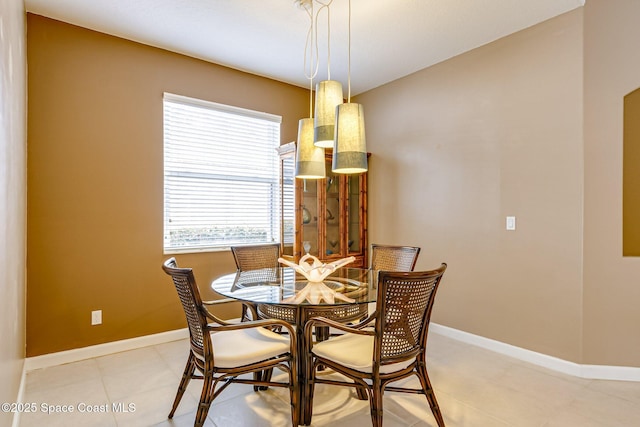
pixel 310 385
pixel 262 376
pixel 184 382
pixel 310 389
pixel 257 376
pixel 266 376
pixel 322 333
pixel 293 394
pixel 206 396
pixel 430 394
pixel 362 393
pixel 375 403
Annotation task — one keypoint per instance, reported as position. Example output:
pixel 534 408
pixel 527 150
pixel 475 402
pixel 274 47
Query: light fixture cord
pixel 311 49
pixel 311 97
pixel 349 57
pixel 311 61
pixel 326 6
pixel 328 40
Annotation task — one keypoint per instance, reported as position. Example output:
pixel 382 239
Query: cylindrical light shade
pixel 309 158
pixel 350 148
pixel 328 95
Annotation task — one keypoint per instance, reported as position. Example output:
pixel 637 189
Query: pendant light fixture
pixel 336 125
pixel 328 96
pixel 350 148
pixel 310 162
pixel 309 158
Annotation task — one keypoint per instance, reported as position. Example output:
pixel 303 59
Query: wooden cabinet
pixel 329 215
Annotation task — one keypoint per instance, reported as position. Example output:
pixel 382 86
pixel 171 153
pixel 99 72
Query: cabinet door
pixel 287 200
pixel 288 205
pixel 356 214
pixel 308 216
pixel 333 215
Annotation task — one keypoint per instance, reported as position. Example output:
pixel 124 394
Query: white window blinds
pixel 221 175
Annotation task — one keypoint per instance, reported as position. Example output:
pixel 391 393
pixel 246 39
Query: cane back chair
pixel 220 352
pixel 394 258
pixel 395 348
pixel 256 257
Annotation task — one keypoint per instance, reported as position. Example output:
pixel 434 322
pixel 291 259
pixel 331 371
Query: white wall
pixel 12 200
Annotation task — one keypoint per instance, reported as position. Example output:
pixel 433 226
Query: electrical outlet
pixel 96 317
pixel 511 223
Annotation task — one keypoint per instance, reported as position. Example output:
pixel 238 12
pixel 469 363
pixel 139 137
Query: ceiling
pixel 389 38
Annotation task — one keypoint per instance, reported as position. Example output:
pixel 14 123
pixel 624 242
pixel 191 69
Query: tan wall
pixel 12 200
pixel 611 281
pixel 459 146
pixel 95 180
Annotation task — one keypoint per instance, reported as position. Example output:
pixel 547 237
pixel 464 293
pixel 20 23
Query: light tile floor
pixel 475 388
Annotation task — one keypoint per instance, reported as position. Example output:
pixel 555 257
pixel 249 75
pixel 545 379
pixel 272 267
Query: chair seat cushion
pixel 355 352
pixel 240 347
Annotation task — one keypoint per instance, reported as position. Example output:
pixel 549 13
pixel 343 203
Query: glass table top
pixel 284 286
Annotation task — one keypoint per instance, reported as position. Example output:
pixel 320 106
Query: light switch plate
pixel 511 223
pixel 96 317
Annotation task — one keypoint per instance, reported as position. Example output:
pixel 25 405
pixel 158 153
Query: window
pixel 221 175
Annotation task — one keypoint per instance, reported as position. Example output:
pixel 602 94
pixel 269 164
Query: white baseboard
pixel 20 397
pixel 618 373
pixel 601 372
pixel 598 372
pixel 60 358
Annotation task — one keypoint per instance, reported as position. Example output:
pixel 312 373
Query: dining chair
pixel 394 258
pixel 394 349
pixel 255 257
pixel 221 352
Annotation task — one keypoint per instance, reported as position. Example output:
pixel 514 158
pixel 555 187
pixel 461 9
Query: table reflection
pixel 317 292
pixel 284 286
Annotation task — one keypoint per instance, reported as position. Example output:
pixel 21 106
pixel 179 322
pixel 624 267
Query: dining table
pixel 283 293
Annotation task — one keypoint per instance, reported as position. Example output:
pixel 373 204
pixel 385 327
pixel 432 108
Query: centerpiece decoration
pixel 315 271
